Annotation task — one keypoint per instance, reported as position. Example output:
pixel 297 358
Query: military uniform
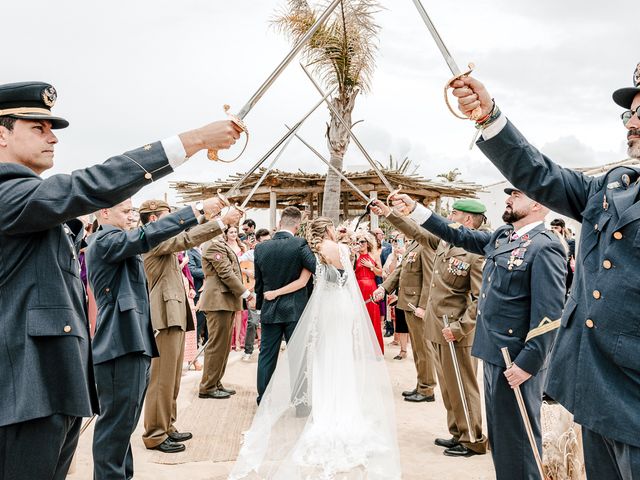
pixel 595 368
pixel 221 299
pixel 454 291
pixel 171 316
pixel 411 279
pixel 123 343
pixel 47 382
pixel 519 307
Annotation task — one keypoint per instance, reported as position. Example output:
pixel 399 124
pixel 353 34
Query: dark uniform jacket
pixel 117 279
pixel 278 262
pixel 595 367
pixel 223 287
pixel 45 356
pixel 455 281
pixel 523 288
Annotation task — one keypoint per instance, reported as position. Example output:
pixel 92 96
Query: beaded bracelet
pixel 491 117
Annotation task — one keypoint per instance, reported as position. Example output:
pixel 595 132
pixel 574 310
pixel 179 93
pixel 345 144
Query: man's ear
pixel 4 133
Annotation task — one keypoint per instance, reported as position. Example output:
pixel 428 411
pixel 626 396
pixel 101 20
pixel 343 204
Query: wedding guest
pixel 367 267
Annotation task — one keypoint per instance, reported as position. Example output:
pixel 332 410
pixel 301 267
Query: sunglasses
pixel 628 115
pixel 362 242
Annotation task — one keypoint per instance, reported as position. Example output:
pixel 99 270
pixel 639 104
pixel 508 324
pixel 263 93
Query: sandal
pixel 401 355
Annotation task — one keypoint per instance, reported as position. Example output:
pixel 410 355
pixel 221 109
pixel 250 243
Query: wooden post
pixel 345 205
pixel 273 208
pixel 310 200
pixel 374 218
pixel 320 200
pixel 439 205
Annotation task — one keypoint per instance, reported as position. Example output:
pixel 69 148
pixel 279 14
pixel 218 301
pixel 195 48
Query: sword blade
pixel 338 172
pixel 264 175
pixel 235 189
pixel 287 60
pixel 453 66
pixel 456 367
pixel 347 127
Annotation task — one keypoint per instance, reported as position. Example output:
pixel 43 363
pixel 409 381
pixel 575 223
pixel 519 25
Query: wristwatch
pixel 200 207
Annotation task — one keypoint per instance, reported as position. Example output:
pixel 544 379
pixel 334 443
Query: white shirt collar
pixel 527 228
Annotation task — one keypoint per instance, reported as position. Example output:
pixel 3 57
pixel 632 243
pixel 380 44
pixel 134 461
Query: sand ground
pixel 418 425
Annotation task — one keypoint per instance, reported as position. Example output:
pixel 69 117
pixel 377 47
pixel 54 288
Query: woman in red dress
pixel 367 266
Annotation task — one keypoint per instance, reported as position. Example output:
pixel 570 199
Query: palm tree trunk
pixel 337 142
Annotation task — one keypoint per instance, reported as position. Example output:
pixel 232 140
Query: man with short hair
pixel 46 355
pixel 248 229
pixel 279 262
pixel 519 305
pixel 595 367
pixel 171 316
pixel 123 343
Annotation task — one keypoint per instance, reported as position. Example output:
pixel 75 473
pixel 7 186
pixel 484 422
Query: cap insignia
pixel 49 96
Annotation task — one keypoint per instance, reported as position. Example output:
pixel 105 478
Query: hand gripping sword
pixel 453 66
pixel 238 118
pixel 343 122
pixel 456 367
pixel 524 415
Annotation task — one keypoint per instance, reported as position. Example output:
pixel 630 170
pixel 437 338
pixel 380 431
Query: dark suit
pixel 278 262
pixel 195 267
pixel 595 367
pixel 123 343
pixel 523 289
pixel 47 380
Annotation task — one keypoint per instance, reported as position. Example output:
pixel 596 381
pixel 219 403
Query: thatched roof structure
pixel 306 189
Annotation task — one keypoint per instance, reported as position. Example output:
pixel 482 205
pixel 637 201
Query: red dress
pixel 367 283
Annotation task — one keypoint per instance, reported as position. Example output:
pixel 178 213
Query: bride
pixel 328 412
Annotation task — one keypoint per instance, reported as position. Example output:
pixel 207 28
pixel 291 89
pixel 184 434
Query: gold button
pixel 433 285
pixel 181 221
pixel 107 289
pixel 595 227
pixel 589 323
pixel 437 272
pixel 489 278
pixel 67 329
pixel 607 264
pixel 147 176
pixel 444 260
pixel 596 294
pixel 484 296
pixel 617 235
pixel 510 331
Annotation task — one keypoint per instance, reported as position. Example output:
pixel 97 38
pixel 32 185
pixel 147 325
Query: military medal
pixel 517 257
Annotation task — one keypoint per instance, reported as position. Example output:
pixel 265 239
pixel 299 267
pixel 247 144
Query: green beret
pixel 469 205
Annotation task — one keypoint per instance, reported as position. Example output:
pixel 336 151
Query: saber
pixel 456 367
pixel 238 119
pixel 264 175
pixel 343 122
pixel 453 66
pixel 524 415
pixel 362 195
pixel 235 189
pixel 86 424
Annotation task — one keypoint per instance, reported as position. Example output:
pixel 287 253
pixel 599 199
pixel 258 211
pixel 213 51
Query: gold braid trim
pixel 545 326
pixel 25 111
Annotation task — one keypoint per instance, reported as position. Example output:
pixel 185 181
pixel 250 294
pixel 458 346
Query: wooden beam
pixel 374 218
pixel 273 207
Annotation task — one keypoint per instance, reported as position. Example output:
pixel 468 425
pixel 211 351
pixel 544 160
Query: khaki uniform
pixel 221 298
pixel 171 316
pixel 411 279
pixel 455 285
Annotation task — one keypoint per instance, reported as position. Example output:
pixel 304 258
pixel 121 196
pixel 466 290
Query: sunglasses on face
pixel 628 115
pixel 362 242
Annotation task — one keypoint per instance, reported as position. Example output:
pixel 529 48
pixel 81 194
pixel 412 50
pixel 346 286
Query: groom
pixel 279 262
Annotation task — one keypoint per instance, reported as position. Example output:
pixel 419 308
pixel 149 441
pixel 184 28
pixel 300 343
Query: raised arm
pixel 294 286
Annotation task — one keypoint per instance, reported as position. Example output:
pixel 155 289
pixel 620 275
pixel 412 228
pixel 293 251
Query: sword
pixel 392 191
pixel 238 118
pixel 456 367
pixel 524 415
pixel 364 197
pixel 235 189
pixel 453 66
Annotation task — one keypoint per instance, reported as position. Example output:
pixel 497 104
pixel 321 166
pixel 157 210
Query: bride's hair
pixel 316 231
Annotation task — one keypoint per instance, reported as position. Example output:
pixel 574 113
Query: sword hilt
pixel 476 114
pixel 212 154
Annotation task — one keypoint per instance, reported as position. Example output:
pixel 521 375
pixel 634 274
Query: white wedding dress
pixel 328 412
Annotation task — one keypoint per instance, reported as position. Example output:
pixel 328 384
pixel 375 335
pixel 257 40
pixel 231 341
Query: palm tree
pixel 342 53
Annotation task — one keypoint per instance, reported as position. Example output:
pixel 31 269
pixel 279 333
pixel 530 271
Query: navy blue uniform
pixel 521 300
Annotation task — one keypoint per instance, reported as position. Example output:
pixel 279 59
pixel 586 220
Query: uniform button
pixel 489 278
pixel 484 296
pixel 67 329
pixel 479 313
pixel 436 272
pixel 181 221
pixel 510 331
pixel 589 323
pixel 444 260
pixel 596 294
pixel 617 235
pixel 107 289
pixel 433 285
pixel 147 176
pixel 595 227
pixel 607 264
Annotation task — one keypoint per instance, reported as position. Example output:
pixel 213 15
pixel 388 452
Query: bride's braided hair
pixel 316 230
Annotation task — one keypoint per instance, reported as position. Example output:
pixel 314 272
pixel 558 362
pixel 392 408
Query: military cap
pixel 151 206
pixel 510 189
pixel 30 101
pixel 624 96
pixel 469 205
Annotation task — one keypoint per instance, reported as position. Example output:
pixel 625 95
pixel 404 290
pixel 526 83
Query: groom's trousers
pixel 270 340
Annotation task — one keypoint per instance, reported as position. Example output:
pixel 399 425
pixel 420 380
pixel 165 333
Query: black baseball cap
pixel 624 96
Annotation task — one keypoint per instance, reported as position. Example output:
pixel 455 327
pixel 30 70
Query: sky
pixel 132 72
